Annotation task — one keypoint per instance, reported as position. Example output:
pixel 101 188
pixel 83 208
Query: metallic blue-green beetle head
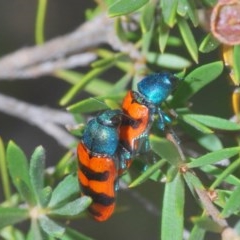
pixel 157 87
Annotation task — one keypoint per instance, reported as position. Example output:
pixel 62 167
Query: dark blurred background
pixel 17 20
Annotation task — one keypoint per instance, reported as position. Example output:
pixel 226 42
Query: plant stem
pixel 39 26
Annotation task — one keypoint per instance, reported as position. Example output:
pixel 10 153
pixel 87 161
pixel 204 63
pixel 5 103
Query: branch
pixel 44 59
pixel 63 52
pixel 51 121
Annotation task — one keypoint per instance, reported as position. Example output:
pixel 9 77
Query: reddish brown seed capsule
pixel 225 21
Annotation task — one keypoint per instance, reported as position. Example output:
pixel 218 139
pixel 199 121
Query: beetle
pixel 98 162
pixel 139 110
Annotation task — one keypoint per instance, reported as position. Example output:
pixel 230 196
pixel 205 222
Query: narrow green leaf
pixel 163 35
pixel 71 234
pixel 147 16
pixel 73 208
pixel 121 84
pixel 147 40
pixel 197 233
pixel 195 81
pixel 169 8
pixel 66 189
pixel 94 104
pixel 225 175
pixel 210 3
pixel 36 172
pixel 95 87
pixel 10 216
pixel 17 165
pixel 210 142
pixel 122 7
pixel 193 182
pixel 208 44
pixel 194 123
pixel 222 175
pixel 34 232
pixel 119 29
pixel 25 192
pixel 82 83
pixel 233 204
pixel 168 60
pixel 50 227
pixel 46 195
pixel 214 157
pixel 188 38
pixel 4 172
pixel 188 7
pixel 207 224
pixel 215 122
pixel 173 210
pixel 147 174
pixel 236 67
pixel 166 150
pixel 11 233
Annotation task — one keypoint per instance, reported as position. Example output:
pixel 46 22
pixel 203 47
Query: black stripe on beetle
pixel 92 175
pixel 100 198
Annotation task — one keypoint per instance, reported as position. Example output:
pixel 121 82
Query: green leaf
pixel 73 208
pixel 147 40
pixel 169 8
pixel 168 60
pixel 71 234
pixel 10 216
pixel 36 171
pixel 123 7
pixel 163 35
pixel 233 204
pixel 197 233
pixel 95 87
pixel 82 83
pixel 147 174
pixel 4 172
pixel 18 166
pixel 195 81
pixel 214 157
pixel 188 38
pixel 35 231
pixel 194 123
pixel 188 7
pixel 236 67
pixel 166 150
pixel 25 192
pixel 66 189
pixel 193 182
pixel 210 142
pixel 46 195
pixel 215 122
pixel 51 227
pixel 147 16
pixel 93 104
pixel 207 224
pixel 173 210
pixel 208 44
pixel 11 233
pixel 210 3
pixel 222 175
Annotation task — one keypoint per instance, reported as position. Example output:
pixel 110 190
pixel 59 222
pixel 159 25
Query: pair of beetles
pixel 112 139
